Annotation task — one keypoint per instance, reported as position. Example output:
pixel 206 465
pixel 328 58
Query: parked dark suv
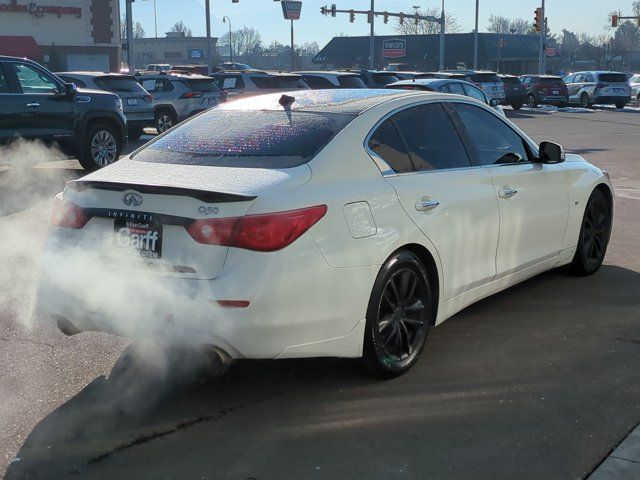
pixel 545 89
pixel 514 91
pixel 36 104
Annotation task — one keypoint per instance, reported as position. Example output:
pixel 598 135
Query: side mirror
pixel 70 90
pixel 550 152
pixel 493 102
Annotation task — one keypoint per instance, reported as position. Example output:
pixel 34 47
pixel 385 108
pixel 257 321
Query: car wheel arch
pixel 165 108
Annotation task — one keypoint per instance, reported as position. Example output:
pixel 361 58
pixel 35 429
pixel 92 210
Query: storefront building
pixel 62 34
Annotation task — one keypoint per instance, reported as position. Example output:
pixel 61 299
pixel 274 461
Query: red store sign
pixel 39 10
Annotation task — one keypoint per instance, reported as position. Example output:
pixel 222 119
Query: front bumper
pixel 299 305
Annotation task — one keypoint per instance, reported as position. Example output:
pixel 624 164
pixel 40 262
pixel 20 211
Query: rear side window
pixel 432 140
pixel 474 92
pixel 201 85
pixel 350 81
pixel 589 78
pixel 79 83
pixel 4 84
pixel 317 83
pixel 248 139
pixel 119 84
pixel 496 143
pixel 613 77
pixel 387 143
pixel 456 88
pixel 266 82
pixel 230 83
pixel 288 82
pixel 485 78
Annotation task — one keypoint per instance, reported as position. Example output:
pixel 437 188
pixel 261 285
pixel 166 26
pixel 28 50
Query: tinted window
pixel 613 77
pixel 485 78
pixel 317 83
pixel 432 140
pixel 550 80
pixel 456 88
pixel 291 81
pixel 34 81
pixel 250 139
pixel 474 92
pixel 351 81
pixel 509 80
pixel 79 83
pixel 265 82
pixel 384 78
pixel 4 84
pixel 202 85
pixel 387 143
pixel 119 84
pixel 494 140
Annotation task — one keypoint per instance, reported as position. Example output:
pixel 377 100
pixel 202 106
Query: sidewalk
pixel 623 463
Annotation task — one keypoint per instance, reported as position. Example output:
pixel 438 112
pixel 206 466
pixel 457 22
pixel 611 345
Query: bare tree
pixel 521 26
pixel 569 45
pixel 635 6
pixel 249 42
pixel 180 26
pixel 502 25
pixel 410 27
pixel 138 30
pixel 309 48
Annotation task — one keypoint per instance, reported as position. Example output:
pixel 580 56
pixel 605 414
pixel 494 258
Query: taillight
pixel 192 95
pixel 264 232
pixel 65 214
pixel 149 98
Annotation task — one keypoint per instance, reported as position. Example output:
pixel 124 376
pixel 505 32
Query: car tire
pixel 516 106
pixel 584 100
pixel 594 235
pixel 165 119
pixel 135 133
pixel 563 105
pixel 102 147
pixel 531 101
pixel 399 316
pixel 638 100
pixel 620 106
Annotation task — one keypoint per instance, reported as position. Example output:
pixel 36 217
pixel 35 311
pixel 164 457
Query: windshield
pixel 549 80
pixel 240 138
pixel 351 81
pixel 119 84
pixel 385 78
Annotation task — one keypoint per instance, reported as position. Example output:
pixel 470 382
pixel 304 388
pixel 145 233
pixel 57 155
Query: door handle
pixel 507 192
pixel 424 205
pixel 33 105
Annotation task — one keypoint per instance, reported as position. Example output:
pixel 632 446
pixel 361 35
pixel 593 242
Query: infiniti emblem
pixel 132 199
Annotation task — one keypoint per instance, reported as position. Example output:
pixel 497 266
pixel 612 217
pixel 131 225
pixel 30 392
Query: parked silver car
pixel 598 87
pixel 136 101
pixel 178 96
pixel 256 82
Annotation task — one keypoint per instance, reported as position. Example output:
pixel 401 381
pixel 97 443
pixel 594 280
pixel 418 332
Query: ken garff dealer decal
pixel 39 10
pixel 132 199
pixel 394 48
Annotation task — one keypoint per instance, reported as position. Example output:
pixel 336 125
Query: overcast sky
pixel 266 15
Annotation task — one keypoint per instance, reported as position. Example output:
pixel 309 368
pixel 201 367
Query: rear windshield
pixel 351 81
pixel 119 84
pixel 549 80
pixel 279 82
pixel 202 85
pixel 613 77
pixel 384 78
pixel 485 78
pixel 510 80
pixel 248 139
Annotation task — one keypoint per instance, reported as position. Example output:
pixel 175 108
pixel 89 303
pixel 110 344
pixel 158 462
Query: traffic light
pixel 235 1
pixel 538 19
pixel 417 19
pixel 333 9
pixel 386 17
pixel 501 43
pixel 352 16
pixel 401 18
pixel 369 17
pixel 614 20
pixel 323 10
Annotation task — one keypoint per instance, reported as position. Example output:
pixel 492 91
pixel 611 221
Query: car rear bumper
pixel 612 99
pixel 299 305
pixel 553 99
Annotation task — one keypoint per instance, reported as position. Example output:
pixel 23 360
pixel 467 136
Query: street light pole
pixel 475 38
pixel 372 48
pixel 230 42
pixel 155 17
pixel 441 37
pixel 209 50
pixel 130 62
pixel 543 34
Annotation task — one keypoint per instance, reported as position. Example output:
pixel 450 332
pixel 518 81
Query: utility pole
pixel 441 36
pixel 227 19
pixel 543 34
pixel 293 54
pixel 209 50
pixel 475 39
pixel 130 62
pixel 372 45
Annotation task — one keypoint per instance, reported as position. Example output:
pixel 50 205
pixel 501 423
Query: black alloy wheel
pixel 584 100
pixel 399 315
pixel 531 101
pixel 594 235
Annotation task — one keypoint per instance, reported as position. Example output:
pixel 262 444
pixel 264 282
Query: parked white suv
pixel 598 87
pixel 256 82
pixel 487 81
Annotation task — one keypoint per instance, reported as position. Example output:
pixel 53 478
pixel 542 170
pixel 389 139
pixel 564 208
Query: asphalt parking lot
pixel 540 381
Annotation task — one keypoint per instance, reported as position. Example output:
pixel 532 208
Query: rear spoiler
pixel 202 195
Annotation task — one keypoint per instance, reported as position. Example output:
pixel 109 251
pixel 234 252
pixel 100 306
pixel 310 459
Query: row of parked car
pixel 91 114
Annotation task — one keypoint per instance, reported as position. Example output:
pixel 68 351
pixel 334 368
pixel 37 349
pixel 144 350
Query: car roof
pixel 431 81
pixel 325 72
pixel 95 74
pixel 348 101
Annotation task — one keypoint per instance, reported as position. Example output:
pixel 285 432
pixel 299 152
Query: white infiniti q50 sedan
pixel 323 223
